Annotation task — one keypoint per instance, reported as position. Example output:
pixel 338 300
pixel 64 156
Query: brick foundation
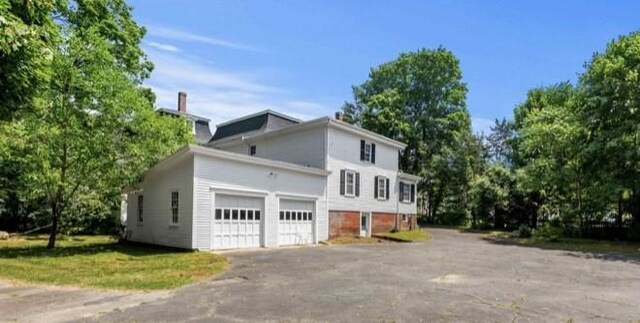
pixel 382 222
pixel 410 222
pixel 344 223
pixel 347 223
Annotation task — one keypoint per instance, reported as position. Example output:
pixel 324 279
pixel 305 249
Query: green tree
pixel 491 192
pixel 610 111
pixel 27 33
pixel 96 130
pixel 419 99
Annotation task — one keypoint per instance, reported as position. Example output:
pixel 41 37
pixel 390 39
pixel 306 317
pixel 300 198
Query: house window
pixel 350 183
pixel 404 218
pixel 252 150
pixel 174 207
pixel 382 188
pixel 140 208
pixel 405 192
pixel 367 152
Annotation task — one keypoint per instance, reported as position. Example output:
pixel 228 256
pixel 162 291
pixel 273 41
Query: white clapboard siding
pixel 156 188
pixel 304 147
pixel 344 153
pixel 221 175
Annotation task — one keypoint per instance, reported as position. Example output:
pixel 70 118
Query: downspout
pixel 397 200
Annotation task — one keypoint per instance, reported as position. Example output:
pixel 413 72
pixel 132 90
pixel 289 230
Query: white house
pixel 268 180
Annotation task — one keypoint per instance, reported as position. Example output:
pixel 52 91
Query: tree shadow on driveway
pixel 629 253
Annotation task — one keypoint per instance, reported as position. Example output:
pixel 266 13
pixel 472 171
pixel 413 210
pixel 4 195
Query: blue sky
pixel 302 57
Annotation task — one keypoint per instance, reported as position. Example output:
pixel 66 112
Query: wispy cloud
pixel 165 47
pixel 222 95
pixel 180 35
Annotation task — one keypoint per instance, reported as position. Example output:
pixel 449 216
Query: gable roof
pixel 261 122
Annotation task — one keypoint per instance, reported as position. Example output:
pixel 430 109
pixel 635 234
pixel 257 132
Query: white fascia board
pixel 173 159
pixel 366 133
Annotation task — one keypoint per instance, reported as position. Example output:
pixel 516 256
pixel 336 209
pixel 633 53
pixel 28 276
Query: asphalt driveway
pixel 453 277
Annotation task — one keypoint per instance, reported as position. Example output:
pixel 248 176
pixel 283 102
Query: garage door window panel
pixel 296 226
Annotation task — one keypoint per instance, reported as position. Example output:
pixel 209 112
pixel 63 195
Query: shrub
pixel 548 233
pixel 523 232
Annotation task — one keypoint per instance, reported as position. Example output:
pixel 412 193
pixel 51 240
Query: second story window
pixel 349 183
pixel 367 151
pixel 252 150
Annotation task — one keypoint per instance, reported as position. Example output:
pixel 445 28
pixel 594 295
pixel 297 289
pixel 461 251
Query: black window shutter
pixel 361 149
pixel 401 190
pixel 357 184
pixel 375 187
pixel 373 153
pixel 342 182
pixel 413 193
pixel 387 190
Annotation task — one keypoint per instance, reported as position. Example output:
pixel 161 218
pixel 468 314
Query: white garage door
pixel 237 221
pixel 296 222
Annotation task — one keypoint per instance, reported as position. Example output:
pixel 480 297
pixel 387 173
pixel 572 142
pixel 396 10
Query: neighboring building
pixel 268 180
pixel 199 125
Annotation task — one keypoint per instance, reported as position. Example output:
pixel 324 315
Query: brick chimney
pixel 182 102
pixel 339 115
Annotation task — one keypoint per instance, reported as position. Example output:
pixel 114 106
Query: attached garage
pixel 237 221
pixel 207 199
pixel 296 224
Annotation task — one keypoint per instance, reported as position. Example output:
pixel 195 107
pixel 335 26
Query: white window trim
pixel 171 223
pixel 367 155
pixel 348 172
pixel 382 187
pixel 408 190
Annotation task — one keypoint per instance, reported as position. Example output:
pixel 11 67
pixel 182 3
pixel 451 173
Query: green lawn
pixel 409 236
pixel 98 261
pixel 569 244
